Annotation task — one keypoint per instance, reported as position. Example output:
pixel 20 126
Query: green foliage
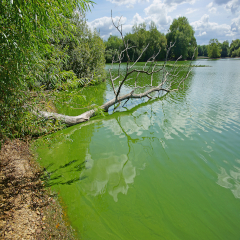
pixel 85 51
pixel 47 71
pixel 32 56
pixel 214 49
pixel 182 34
pixel 234 50
pixel 202 50
pixel 156 41
pixel 112 46
pixel 70 60
pixel 225 49
pixel 111 54
pixel 139 39
pixel 205 50
pixel 26 28
pixel 20 123
pixel 236 53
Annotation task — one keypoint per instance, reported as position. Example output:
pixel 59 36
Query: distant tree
pixel 205 47
pixel 113 42
pixel 141 37
pixel 236 53
pixel 225 49
pixel 182 33
pixel 112 45
pixel 200 50
pixel 214 49
pixel 156 41
pixel 234 50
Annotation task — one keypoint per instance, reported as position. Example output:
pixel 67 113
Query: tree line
pixel 181 34
pixel 215 49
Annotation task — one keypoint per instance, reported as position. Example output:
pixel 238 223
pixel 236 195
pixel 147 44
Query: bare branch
pixel 170 77
pixel 140 55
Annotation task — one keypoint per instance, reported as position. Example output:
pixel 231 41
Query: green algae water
pixel 168 168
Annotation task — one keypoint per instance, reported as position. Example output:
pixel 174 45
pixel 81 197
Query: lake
pixel 166 168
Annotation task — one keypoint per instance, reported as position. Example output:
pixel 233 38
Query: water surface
pixel 167 168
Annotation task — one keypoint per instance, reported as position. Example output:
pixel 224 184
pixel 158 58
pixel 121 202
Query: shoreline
pixel 28 210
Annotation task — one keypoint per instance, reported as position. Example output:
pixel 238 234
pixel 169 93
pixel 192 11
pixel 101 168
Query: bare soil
pixel 27 210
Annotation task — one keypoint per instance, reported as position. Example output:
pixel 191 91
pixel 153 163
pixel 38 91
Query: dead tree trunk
pixel 170 78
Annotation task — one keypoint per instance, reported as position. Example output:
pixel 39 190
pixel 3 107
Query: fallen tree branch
pixel 169 79
pixel 69 120
pixel 72 120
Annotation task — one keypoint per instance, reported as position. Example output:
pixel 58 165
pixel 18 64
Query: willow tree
pixel 214 49
pixel 26 28
pixel 182 33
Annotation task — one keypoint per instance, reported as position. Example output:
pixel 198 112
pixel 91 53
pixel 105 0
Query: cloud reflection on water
pixel 110 173
pixel 231 181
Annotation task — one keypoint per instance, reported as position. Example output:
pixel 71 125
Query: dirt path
pixel 27 210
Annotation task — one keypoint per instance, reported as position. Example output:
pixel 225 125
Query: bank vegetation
pixel 45 47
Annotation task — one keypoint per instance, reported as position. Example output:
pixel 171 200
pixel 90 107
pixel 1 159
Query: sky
pixel 210 19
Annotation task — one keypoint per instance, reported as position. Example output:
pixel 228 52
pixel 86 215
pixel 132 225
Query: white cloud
pixel 138 19
pixel 210 5
pixel 190 10
pixel 158 6
pixel 233 5
pixel 203 22
pixel 229 5
pixel 106 27
pixel 212 10
pixel 177 2
pixel 208 30
pixel 162 13
pixel 202 34
pixel 130 6
pixel 235 26
pixel 158 12
pixel 124 2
